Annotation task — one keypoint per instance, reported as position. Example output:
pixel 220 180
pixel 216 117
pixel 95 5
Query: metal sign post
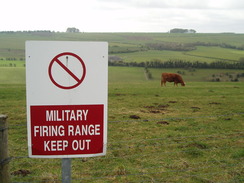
pixel 66 170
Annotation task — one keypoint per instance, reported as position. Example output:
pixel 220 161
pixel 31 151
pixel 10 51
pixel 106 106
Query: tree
pixel 72 30
pixel 178 30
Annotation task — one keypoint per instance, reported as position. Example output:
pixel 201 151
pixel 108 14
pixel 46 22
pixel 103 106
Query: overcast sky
pixel 123 15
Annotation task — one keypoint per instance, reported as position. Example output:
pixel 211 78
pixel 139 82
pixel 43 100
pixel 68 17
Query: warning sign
pixel 63 61
pixel 66 84
pixel 76 129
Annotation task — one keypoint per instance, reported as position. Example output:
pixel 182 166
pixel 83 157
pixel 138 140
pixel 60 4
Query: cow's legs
pixel 163 83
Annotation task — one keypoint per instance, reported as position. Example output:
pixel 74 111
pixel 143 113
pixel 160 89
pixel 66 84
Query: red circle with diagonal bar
pixel 78 78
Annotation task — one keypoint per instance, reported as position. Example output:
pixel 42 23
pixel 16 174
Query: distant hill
pixel 138 47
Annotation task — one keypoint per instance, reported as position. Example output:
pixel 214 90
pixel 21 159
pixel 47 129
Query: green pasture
pixel 12 75
pixel 12 63
pixel 233 39
pixel 118 75
pixel 201 54
pixel 217 53
pixel 16 75
pixel 132 46
pixel 151 55
pixel 191 134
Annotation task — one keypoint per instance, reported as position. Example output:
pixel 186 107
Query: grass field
pixel 190 134
pixel 16 75
pixel 217 53
pixel 202 54
pixel 12 75
pixel 134 45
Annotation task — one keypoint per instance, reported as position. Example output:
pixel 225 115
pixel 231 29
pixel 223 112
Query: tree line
pixel 180 64
pixel 179 30
pixel 13 59
pixel 28 31
pixel 174 46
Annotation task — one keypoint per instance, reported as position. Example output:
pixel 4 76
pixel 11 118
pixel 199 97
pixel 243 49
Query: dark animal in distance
pixel 171 77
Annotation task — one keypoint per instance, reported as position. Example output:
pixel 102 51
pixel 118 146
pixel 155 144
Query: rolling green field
pixel 12 75
pixel 134 46
pixel 191 134
pixel 155 134
pixel 202 54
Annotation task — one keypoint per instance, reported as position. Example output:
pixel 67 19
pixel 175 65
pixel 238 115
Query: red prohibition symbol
pixel 57 60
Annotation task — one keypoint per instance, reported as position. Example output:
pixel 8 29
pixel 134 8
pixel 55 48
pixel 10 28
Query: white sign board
pixel 67 86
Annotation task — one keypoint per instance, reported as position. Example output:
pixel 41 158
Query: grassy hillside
pixel 135 45
pixel 12 75
pixel 201 54
pixel 155 134
pixel 191 134
pixel 217 53
pixel 16 75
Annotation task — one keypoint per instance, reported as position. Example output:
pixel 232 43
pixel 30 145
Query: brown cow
pixel 171 77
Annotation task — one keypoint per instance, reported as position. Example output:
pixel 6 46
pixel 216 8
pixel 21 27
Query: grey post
pixel 66 170
pixel 4 159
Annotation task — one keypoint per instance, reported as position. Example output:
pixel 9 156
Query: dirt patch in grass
pixel 21 172
pixel 172 102
pixel 216 103
pixel 197 108
pixel 135 117
pixel 163 122
pixel 155 109
pixel 120 94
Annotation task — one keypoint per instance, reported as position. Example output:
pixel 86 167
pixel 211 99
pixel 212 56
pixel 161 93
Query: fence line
pixel 160 153
pixel 176 140
pixel 5 161
pixel 168 144
pixel 139 155
pixel 154 119
pixel 156 139
pixel 178 118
